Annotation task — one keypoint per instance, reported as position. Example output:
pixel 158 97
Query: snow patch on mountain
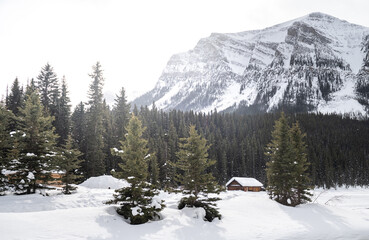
pixel 311 61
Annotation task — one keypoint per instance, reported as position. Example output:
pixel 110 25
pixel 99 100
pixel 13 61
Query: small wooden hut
pixel 244 184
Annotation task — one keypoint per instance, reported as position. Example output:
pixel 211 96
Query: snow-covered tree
pixel 5 146
pixel 137 202
pixel 34 154
pixel 197 182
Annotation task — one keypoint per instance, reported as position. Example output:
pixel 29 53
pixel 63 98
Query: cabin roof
pixel 245 182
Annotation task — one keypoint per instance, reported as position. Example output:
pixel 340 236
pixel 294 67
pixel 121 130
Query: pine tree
pixel 69 163
pixel 279 168
pixel 78 132
pixel 78 127
pixel 286 170
pixel 301 165
pixel 15 98
pixel 120 116
pixel 95 165
pixel 108 135
pixel 36 153
pixel 169 168
pixel 137 202
pixel 31 87
pixel 193 163
pixel 62 121
pixel 47 84
pixel 153 170
pixel 5 147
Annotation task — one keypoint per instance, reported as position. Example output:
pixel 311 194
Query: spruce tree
pixel 31 87
pixel 78 127
pixel 69 164
pixel 36 152
pixel 47 85
pixel 62 122
pixel 153 170
pixel 194 165
pixel 168 168
pixel 286 169
pixel 15 98
pixel 301 166
pixel 5 147
pixel 279 168
pixel 137 202
pixel 120 115
pixel 95 164
pixel 108 136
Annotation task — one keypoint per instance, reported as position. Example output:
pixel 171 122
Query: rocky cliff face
pixel 314 63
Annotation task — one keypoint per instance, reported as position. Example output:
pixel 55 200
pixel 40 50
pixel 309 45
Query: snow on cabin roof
pixel 246 182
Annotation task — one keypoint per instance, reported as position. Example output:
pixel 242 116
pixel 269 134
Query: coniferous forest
pixel 40 120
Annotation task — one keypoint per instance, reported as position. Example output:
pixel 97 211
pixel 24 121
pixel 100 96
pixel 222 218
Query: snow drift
pixel 104 182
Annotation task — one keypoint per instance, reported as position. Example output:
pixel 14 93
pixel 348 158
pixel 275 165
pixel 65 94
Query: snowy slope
pixel 335 214
pixel 305 61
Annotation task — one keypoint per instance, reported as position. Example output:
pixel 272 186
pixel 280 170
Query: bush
pixel 137 203
pixel 210 211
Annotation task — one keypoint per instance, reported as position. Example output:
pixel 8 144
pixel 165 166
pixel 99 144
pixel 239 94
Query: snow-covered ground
pixel 335 214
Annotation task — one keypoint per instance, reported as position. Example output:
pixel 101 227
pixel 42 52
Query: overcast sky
pixel 133 40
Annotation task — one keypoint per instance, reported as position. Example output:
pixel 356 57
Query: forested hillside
pixel 337 146
pixel 338 149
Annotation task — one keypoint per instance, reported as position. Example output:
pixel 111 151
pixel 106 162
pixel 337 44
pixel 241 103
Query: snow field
pixel 335 214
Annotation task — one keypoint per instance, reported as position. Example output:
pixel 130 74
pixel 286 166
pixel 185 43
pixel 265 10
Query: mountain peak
pixel 309 63
pixel 320 15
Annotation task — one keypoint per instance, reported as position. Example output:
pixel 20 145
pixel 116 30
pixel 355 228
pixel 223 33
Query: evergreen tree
pixel 137 202
pixel 193 162
pixel 108 135
pixel 279 168
pixel 35 153
pixel 153 170
pixel 286 170
pixel 169 169
pixel 5 147
pixel 301 165
pixel 78 127
pixel 31 87
pixel 69 164
pixel 62 121
pixel 47 84
pixel 78 132
pixel 121 116
pixel 15 98
pixel 95 165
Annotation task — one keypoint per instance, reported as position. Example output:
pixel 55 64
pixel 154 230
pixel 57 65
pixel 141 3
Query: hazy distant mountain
pixel 313 63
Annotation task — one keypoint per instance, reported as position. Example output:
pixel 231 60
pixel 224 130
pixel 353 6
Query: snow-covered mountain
pixel 313 63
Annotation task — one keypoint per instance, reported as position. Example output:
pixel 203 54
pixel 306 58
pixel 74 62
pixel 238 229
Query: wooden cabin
pixel 55 181
pixel 244 184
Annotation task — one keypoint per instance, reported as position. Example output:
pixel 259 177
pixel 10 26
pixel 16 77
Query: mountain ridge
pixel 312 62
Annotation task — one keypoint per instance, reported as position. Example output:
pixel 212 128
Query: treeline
pixel 338 149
